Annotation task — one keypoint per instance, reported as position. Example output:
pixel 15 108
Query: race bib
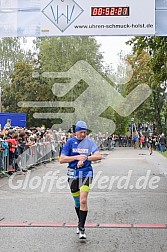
pixel 71 173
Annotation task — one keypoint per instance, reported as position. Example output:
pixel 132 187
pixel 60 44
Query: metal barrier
pixel 37 154
pixel 42 152
pixel 4 160
pixel 33 155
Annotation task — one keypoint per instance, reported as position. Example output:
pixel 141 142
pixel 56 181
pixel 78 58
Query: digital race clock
pixel 109 11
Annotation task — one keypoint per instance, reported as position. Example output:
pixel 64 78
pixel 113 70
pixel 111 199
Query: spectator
pixel 136 140
pixel 12 147
pixel 142 140
pixel 162 142
pixel 8 124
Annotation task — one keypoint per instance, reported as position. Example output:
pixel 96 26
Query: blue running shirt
pixel 74 147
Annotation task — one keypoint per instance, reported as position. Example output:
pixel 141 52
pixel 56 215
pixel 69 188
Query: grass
pixel 164 153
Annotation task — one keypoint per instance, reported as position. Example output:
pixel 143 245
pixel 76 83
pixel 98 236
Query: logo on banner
pixel 62 13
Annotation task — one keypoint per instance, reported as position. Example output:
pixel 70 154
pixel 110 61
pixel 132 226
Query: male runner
pixel 78 152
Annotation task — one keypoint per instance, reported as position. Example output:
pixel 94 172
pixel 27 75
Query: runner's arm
pixel 68 159
pixel 95 156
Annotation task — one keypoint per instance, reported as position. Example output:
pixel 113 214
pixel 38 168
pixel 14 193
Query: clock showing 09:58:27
pixel 110 11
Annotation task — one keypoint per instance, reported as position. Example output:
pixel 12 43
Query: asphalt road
pixel 129 188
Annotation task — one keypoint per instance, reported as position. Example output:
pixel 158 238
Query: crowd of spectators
pixel 135 140
pixel 14 141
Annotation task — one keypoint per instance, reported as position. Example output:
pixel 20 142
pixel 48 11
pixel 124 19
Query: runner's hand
pixel 80 164
pixel 81 157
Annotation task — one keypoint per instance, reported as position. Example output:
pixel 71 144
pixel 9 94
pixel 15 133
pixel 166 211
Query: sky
pixel 111 46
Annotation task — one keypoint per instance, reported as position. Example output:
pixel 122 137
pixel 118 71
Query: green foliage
pixel 121 122
pixel 11 52
pixel 59 55
pixel 54 54
pixel 22 88
pixel 155 67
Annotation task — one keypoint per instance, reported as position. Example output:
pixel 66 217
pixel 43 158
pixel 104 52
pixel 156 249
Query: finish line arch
pixel 37 18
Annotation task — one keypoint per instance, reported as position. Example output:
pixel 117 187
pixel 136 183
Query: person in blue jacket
pixel 79 151
pixel 3 153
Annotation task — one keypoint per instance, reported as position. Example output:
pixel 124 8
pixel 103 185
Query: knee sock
pixel 77 206
pixel 83 215
pixel 77 212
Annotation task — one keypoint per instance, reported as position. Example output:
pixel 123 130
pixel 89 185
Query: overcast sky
pixel 111 46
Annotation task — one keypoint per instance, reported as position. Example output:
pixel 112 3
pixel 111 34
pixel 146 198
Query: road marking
pixel 129 158
pixel 150 225
pixel 110 225
pixel 88 225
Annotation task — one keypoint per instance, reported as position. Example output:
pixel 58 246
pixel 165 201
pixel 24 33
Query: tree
pixel 53 55
pixel 22 88
pixel 156 47
pixel 59 55
pixel 11 51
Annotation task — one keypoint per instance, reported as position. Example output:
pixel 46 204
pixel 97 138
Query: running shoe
pixel 82 234
pixel 77 229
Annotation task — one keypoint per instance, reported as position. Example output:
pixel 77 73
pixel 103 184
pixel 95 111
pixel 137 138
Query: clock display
pixel 109 11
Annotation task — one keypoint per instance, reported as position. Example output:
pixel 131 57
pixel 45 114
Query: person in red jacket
pixel 12 143
pixel 142 140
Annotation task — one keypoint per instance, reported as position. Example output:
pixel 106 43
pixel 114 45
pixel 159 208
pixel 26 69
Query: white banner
pixel 78 18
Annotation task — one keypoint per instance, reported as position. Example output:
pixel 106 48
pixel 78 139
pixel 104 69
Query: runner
pixel 78 152
pixel 150 143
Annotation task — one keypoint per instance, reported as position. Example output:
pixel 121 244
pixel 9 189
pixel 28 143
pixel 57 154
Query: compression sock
pixel 83 215
pixel 77 212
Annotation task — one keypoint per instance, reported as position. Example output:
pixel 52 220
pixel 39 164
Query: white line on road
pixel 129 158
